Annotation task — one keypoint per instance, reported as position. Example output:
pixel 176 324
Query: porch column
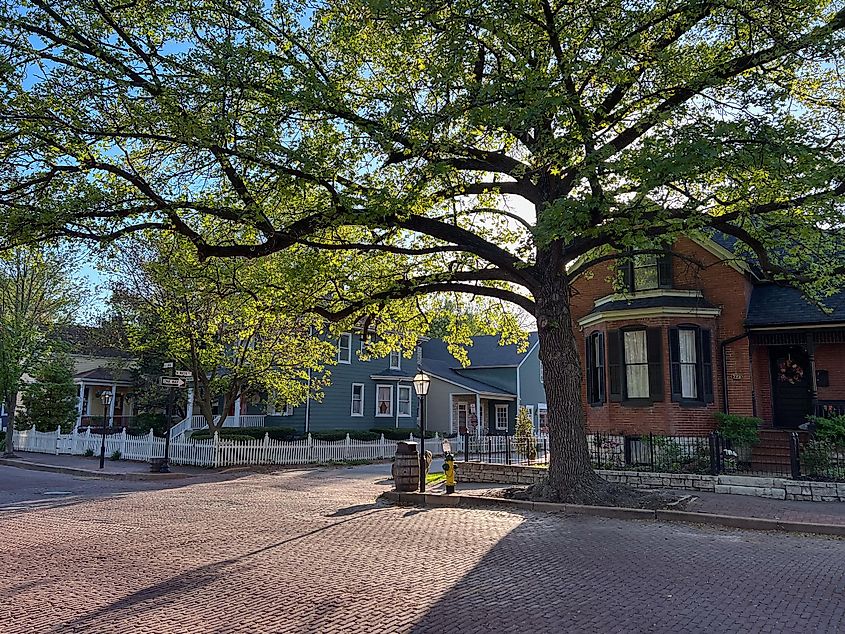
pixel 189 408
pixel 111 405
pixel 80 405
pixel 480 425
pixel 92 394
pixel 814 388
pixel 237 416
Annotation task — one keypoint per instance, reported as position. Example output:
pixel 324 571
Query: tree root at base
pixel 595 492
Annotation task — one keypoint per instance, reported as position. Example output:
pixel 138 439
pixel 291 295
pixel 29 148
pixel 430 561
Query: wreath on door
pixel 789 371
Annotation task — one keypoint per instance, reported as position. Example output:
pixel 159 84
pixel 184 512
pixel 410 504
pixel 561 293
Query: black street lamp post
pixel 105 397
pixel 421 384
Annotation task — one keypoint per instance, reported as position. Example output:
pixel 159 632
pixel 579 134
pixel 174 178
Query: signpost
pixel 171 381
pixel 174 379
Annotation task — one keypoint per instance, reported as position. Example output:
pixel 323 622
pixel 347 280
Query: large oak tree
pixel 477 146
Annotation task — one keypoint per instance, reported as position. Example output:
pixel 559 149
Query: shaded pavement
pixel 312 550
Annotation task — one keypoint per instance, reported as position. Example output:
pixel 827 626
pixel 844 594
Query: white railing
pixel 217 452
pixel 252 420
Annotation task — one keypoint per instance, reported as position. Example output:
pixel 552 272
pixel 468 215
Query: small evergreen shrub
pixel 524 435
pixel 88 453
pixel 742 430
pixel 115 455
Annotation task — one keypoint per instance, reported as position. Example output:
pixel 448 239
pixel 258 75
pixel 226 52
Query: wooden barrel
pixel 406 470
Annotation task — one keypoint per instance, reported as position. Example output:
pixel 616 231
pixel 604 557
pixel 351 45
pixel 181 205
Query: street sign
pixel 171 381
pixel 167 365
pixel 185 373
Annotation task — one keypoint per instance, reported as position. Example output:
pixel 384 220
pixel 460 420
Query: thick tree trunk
pixel 11 405
pixel 571 477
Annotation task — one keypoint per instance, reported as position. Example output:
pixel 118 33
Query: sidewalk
pixel 89 467
pixel 719 504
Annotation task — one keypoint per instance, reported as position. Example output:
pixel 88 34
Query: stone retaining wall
pixel 776 488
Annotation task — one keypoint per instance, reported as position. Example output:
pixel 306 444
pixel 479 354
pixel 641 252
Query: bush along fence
pixel 215 452
pixel 714 454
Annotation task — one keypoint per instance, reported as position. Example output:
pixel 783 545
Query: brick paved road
pixel 309 551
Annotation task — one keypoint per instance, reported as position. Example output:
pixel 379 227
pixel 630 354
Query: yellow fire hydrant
pixel 449 471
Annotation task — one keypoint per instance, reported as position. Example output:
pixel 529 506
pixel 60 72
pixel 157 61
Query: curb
pixel 730 521
pixel 87 473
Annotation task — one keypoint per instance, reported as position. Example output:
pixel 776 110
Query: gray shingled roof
pixel 773 305
pixel 399 374
pixel 485 351
pixel 107 375
pixel 443 369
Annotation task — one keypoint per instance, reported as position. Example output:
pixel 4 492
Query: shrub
pixel 524 435
pixel 400 433
pixel 237 438
pixel 88 453
pixel 817 459
pixel 830 428
pixel 250 433
pixel 115 455
pixel 741 430
pixel 145 422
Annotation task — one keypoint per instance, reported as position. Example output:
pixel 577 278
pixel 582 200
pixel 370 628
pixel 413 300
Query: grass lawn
pixel 434 478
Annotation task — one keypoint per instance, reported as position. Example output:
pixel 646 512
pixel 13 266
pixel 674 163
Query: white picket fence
pixel 216 452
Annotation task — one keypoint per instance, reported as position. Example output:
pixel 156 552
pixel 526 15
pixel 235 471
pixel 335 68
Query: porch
pixel 120 412
pixel 797 373
pixel 476 415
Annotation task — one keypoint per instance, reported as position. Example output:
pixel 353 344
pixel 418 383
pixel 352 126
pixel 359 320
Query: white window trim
pixel 540 364
pixel 398 354
pixel 287 410
pixel 352 402
pixel 348 348
pixel 530 409
pixel 410 401
pixel 390 413
pixel 499 408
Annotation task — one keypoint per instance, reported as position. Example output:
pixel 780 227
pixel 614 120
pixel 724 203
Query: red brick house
pixel 691 338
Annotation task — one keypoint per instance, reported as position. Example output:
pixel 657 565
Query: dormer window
pixel 647 272
pixel 395 360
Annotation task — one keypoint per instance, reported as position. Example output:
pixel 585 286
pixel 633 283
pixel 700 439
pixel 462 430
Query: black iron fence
pixel 517 450
pixel 788 456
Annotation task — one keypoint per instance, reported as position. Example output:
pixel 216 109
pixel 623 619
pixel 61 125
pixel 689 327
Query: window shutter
pixel 600 375
pixel 655 363
pixel 664 271
pixel 706 366
pixel 628 275
pixel 675 364
pixel 589 367
pixel 614 364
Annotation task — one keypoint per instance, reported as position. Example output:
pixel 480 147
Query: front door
pixel 791 387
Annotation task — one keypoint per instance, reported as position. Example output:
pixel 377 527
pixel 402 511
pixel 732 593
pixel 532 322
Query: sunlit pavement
pixel 311 551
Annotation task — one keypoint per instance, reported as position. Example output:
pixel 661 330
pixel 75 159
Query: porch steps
pixel 773 449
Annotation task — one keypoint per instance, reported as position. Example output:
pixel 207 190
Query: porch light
pixel 421 383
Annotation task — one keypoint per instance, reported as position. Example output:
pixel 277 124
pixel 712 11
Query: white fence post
pixel 58 437
pixel 216 447
pixel 150 443
pixel 347 451
pixel 382 448
pixel 266 456
pixel 123 443
pixel 310 448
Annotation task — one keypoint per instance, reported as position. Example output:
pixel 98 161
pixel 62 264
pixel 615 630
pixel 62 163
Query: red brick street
pixel 312 551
